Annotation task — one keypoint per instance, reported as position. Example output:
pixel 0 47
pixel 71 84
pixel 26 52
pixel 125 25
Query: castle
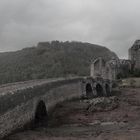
pixel 131 66
pixel 134 55
pixel 118 68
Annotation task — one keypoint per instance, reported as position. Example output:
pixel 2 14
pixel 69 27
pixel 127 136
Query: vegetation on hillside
pixel 50 60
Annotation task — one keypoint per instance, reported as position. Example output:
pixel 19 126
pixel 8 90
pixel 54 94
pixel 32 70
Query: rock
pixel 103 104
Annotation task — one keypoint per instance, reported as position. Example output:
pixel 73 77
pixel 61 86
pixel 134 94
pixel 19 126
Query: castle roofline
pixel 136 45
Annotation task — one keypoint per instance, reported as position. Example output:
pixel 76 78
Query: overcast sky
pixel 111 23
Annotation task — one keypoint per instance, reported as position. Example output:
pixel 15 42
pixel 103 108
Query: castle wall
pixel 134 54
pixel 137 62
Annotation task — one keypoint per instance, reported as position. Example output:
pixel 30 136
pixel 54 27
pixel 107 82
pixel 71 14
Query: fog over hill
pixel 50 60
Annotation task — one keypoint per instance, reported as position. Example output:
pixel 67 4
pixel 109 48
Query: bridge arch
pixel 107 89
pixel 99 90
pixel 89 91
pixel 41 114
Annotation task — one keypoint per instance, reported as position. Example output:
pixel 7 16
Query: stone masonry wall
pixel 134 54
pixel 18 107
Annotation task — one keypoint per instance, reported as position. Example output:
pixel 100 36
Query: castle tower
pixel 134 54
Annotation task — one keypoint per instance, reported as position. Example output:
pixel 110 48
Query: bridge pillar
pixel 107 89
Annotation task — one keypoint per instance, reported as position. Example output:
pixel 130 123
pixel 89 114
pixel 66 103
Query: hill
pixel 49 60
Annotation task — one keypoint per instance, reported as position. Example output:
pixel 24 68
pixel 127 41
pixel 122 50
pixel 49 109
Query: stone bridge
pixel 32 101
pixel 24 102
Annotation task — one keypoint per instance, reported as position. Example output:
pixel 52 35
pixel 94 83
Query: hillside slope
pixel 50 59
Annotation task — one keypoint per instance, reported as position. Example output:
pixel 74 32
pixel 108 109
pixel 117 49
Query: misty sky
pixel 111 23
